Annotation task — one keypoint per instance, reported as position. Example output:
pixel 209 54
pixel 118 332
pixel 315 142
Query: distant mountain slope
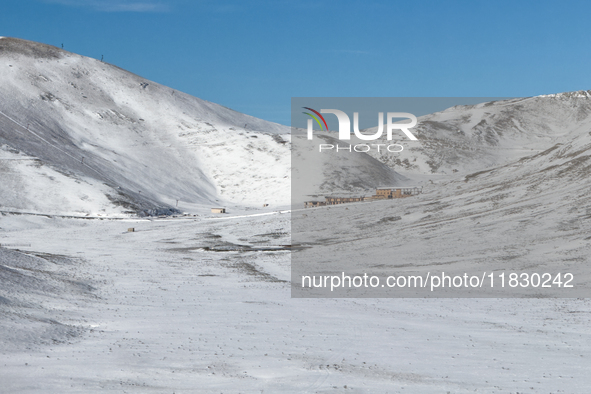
pixel 470 138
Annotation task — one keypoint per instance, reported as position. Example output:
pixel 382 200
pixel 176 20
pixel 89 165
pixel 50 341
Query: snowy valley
pixel 195 302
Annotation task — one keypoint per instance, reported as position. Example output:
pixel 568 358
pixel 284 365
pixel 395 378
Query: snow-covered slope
pixel 93 126
pixel 470 138
pixel 33 293
pixel 29 186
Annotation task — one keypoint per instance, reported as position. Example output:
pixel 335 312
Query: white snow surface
pixel 162 310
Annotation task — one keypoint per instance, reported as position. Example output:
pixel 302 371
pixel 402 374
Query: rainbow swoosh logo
pixel 315 118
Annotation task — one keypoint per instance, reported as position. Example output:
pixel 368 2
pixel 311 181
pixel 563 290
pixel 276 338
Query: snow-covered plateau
pixel 116 277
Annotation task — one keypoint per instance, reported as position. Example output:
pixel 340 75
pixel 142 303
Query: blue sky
pixel 253 56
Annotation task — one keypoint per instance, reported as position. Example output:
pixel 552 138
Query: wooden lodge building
pixel 342 200
pixel 382 193
pixel 313 204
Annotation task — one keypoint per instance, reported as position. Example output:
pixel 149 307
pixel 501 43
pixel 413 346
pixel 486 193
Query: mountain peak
pixel 575 94
pixel 33 49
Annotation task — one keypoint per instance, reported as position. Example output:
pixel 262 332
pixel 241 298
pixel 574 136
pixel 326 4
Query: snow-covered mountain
pixel 80 136
pixel 469 138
